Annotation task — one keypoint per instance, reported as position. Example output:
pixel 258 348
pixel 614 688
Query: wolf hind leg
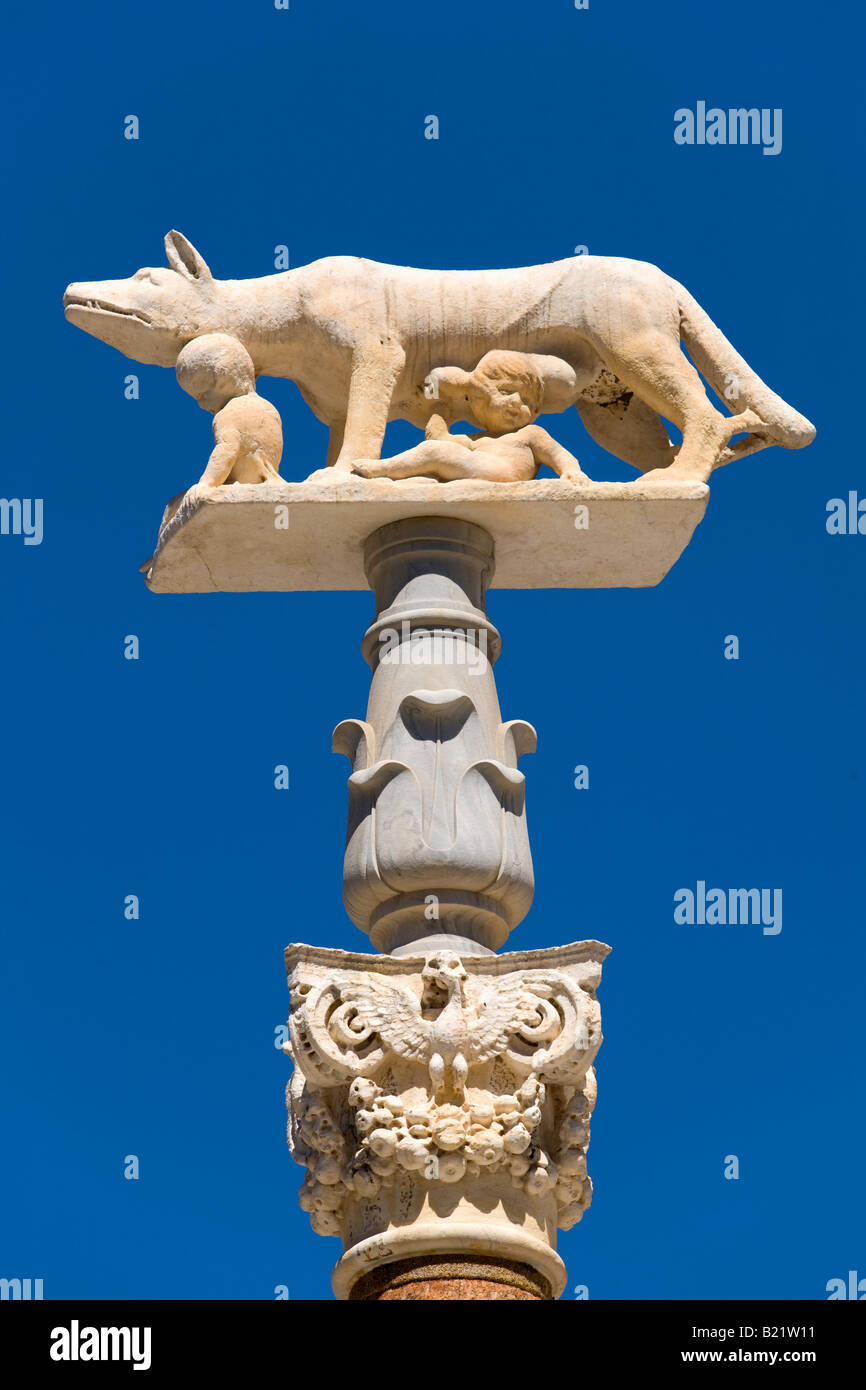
pixel 658 371
pixel 761 436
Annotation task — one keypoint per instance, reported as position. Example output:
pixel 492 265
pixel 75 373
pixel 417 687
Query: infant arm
pixel 436 428
pixel 548 452
pixel 225 454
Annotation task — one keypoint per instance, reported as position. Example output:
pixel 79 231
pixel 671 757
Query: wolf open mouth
pixel 75 301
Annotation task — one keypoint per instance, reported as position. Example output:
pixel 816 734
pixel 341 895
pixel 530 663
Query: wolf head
pixel 150 316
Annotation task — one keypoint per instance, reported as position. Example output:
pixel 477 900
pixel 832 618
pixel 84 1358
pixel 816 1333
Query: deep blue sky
pixel 305 127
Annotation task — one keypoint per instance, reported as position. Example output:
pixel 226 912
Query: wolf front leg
pixel 336 432
pixel 375 370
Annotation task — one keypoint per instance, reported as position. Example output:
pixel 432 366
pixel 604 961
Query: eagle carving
pixel 540 1021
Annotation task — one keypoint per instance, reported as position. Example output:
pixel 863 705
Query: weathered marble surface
pixel 437 839
pixel 233 538
pixel 361 338
pixel 441 1103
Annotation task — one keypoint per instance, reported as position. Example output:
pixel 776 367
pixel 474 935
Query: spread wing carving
pixel 390 1010
pixel 541 1021
pixel 506 1007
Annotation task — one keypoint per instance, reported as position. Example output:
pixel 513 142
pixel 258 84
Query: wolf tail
pixel 732 378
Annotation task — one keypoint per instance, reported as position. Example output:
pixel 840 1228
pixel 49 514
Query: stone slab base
pixel 245 537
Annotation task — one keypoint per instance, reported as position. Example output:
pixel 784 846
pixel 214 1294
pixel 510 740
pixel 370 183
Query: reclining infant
pixel 504 394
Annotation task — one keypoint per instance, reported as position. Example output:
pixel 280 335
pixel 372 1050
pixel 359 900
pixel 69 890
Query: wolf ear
pixel 183 257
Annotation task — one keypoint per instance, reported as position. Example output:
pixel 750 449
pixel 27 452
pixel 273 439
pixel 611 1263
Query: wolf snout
pixel 78 294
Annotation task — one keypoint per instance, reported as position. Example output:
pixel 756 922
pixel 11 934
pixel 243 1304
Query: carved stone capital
pixel 441 1104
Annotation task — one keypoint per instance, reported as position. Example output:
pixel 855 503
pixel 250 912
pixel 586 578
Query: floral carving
pixel 444 1069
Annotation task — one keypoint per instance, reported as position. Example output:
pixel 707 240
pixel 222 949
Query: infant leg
pixel 446 460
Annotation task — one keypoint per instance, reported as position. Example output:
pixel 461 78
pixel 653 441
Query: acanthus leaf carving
pixel 436 1070
pixel 437 817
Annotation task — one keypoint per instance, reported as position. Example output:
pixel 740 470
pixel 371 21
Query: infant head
pixel 504 392
pixel 215 369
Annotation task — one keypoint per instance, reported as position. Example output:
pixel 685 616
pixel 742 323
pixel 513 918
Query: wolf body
pixel 359 338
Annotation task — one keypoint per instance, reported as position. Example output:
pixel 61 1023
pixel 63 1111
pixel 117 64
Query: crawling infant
pixel 218 372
